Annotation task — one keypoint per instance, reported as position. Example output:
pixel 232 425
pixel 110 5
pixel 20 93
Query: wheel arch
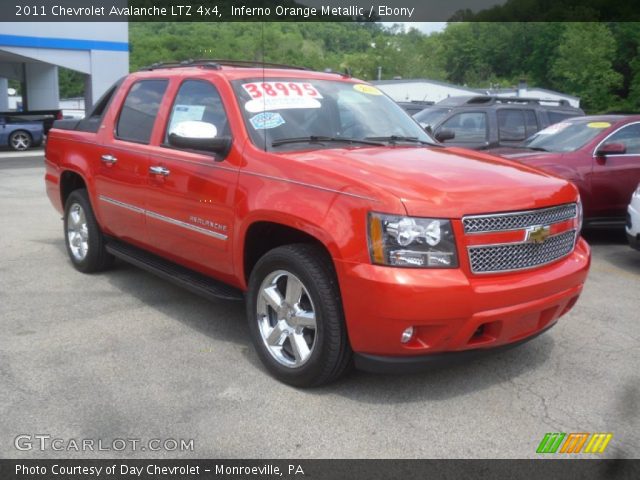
pixel 70 180
pixel 261 236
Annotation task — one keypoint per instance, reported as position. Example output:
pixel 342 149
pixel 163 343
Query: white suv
pixel 633 220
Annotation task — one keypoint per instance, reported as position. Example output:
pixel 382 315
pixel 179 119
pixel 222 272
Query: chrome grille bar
pixel 520 256
pixel 499 222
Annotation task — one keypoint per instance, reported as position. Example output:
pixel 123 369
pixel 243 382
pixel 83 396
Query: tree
pixel 584 65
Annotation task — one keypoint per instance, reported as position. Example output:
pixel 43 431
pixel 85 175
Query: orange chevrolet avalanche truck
pixel 353 237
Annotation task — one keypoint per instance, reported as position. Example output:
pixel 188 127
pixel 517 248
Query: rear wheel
pixel 295 316
pixel 83 238
pixel 20 140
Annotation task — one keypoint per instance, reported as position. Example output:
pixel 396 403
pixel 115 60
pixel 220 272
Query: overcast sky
pixel 426 27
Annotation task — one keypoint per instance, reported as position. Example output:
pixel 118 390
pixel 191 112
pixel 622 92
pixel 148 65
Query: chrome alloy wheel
pixel 20 141
pixel 286 318
pixel 77 232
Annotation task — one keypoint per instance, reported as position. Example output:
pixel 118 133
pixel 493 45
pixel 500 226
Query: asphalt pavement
pixel 125 355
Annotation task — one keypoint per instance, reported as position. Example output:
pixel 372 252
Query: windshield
pixel 566 136
pixel 296 114
pixel 431 116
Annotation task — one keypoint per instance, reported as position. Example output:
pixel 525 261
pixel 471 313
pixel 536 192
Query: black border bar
pixel 317 10
pixel 199 469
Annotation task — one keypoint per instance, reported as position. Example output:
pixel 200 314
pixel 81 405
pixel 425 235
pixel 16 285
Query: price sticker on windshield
pixel 281 89
pixel 281 95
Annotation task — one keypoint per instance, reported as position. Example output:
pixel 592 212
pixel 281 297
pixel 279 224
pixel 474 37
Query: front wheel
pixel 295 316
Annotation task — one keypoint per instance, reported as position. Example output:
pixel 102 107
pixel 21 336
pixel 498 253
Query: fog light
pixel 406 335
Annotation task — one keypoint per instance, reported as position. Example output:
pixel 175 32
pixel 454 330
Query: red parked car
pixel 599 154
pixel 353 236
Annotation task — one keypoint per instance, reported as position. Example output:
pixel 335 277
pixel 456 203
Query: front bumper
pixel 419 363
pixel 453 311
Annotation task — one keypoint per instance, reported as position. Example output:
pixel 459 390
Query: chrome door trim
pixel 157 216
pixel 118 203
pixel 188 226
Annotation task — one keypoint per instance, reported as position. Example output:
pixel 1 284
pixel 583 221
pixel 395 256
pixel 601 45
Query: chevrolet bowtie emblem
pixel 537 234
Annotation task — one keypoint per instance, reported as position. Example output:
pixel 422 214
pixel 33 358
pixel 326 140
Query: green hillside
pixel 598 62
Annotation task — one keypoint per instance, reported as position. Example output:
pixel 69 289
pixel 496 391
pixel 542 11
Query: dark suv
pixel 486 122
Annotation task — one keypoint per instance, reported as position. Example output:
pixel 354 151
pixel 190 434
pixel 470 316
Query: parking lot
pixel 124 354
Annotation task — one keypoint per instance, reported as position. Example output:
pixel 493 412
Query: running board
pixel 177 274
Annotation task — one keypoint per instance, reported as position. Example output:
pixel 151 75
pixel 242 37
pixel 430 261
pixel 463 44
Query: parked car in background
pixel 415 106
pixel 20 134
pixel 483 122
pixel 44 117
pixel 633 220
pixel 600 154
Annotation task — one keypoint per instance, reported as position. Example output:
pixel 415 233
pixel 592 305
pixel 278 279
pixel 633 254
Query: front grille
pixel 519 256
pixel 518 220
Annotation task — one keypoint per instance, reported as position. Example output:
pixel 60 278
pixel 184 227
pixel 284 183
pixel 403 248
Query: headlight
pixel 411 242
pixel 580 214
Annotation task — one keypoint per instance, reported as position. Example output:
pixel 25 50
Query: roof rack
pixel 493 99
pixel 535 101
pixel 217 64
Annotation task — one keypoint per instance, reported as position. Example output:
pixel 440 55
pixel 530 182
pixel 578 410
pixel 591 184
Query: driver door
pixel 190 193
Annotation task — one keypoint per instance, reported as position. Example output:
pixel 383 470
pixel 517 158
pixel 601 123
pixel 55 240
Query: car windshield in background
pixel 298 114
pixel 566 136
pixel 431 116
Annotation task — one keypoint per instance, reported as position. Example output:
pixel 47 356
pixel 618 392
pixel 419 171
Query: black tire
pixel 96 257
pixel 20 140
pixel 331 354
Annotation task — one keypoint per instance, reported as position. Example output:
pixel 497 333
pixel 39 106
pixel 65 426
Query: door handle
pixel 158 170
pixel 108 159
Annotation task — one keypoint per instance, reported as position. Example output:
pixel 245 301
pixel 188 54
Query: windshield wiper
pixel 324 139
pixel 537 149
pixel 394 139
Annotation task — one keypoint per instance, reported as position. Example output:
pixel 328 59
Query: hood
pixel 440 182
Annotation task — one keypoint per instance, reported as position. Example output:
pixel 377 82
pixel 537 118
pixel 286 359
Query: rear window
pixel 531 122
pixel 140 110
pixel 511 125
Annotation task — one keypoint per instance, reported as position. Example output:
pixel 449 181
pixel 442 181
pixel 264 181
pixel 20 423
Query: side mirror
pixel 611 149
pixel 442 135
pixel 427 128
pixel 199 136
pixel 3 121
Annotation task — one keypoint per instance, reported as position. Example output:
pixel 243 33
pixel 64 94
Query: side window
pixel 468 127
pixel 557 117
pixel 198 101
pixel 511 125
pixel 140 110
pixel 629 136
pixel 531 122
